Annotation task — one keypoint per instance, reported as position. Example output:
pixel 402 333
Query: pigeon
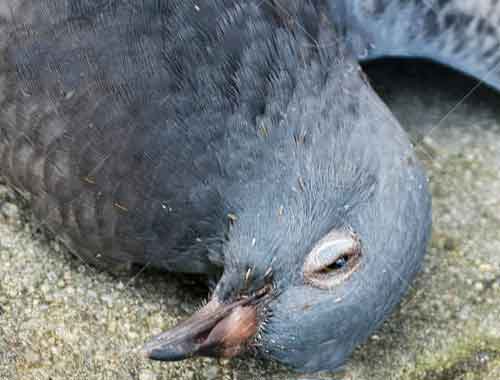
pixel 237 140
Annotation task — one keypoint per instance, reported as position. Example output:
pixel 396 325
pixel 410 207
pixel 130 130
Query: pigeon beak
pixel 216 330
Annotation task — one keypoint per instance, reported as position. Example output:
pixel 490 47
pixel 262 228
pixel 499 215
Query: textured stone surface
pixel 60 319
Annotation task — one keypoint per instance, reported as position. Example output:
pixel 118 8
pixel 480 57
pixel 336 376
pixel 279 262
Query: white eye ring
pixel 333 259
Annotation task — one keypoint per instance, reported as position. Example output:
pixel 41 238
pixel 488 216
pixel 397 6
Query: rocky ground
pixel 60 319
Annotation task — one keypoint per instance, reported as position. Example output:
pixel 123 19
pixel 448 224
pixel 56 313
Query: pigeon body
pixel 234 139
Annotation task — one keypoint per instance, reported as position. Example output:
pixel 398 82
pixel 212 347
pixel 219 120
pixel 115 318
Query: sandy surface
pixel 60 319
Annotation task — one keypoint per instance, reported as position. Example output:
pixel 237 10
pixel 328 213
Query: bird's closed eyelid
pixel 333 259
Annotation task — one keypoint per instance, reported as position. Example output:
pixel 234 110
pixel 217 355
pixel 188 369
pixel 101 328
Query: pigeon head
pixel 325 237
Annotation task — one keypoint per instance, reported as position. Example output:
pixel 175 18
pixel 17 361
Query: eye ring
pixel 333 259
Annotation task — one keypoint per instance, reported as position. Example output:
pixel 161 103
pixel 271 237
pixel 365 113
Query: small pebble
pixel 5 192
pixel 11 213
pixel 487 268
pixel 147 375
pixel 31 357
pixel 211 373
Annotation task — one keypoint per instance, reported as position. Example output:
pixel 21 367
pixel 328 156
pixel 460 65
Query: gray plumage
pixel 462 34
pixel 222 137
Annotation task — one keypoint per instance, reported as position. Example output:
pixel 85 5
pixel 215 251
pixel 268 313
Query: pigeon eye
pixel 333 259
pixel 339 264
